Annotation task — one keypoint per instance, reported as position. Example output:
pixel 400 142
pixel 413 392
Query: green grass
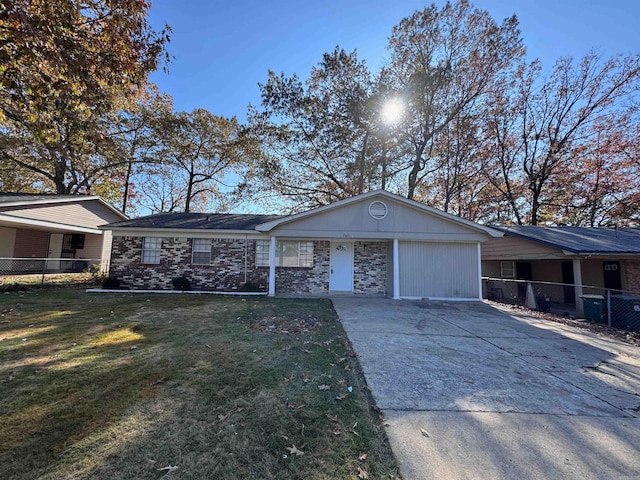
pixel 106 386
pixel 14 283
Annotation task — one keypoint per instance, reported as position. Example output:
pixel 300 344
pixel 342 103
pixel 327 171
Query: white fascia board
pixel 470 237
pixel 183 232
pixel 47 225
pixel 265 227
pixel 586 255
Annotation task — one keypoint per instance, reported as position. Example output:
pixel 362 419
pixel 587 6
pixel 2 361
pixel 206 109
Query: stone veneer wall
pixel 314 280
pixel 370 267
pixel 226 273
pixel 632 270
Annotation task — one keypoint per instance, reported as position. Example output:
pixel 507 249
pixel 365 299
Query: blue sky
pixel 223 49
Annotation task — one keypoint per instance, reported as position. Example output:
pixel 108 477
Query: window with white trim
pixel 201 251
pixel 151 248
pixel 508 269
pixel 289 253
pixel 262 253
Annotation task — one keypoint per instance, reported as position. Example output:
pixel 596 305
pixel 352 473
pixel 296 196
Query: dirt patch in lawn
pixel 292 325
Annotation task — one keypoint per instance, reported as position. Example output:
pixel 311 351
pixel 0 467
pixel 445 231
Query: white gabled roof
pixel 268 226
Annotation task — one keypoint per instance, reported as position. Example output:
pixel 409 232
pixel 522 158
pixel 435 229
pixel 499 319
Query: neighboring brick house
pixel 606 258
pixel 376 244
pixel 54 233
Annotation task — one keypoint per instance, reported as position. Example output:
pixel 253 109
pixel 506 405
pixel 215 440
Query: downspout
pixel 246 239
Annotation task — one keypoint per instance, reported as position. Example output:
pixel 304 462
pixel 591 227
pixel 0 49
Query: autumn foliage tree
pixel 443 63
pixel 318 137
pixel 545 128
pixel 63 66
pixel 197 164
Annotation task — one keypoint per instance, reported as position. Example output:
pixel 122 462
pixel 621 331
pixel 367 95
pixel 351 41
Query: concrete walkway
pixel 471 392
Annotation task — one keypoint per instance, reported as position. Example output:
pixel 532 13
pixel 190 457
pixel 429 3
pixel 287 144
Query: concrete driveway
pixel 471 392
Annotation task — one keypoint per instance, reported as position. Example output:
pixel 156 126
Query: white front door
pixel 341 277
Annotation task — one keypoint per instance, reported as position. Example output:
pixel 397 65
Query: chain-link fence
pixel 615 308
pixel 27 271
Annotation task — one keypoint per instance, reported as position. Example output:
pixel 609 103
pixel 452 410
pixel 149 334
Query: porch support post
pixel 479 272
pixel 396 270
pixel 272 267
pixel 577 280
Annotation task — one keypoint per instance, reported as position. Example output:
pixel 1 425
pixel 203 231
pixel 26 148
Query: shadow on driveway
pixel 470 391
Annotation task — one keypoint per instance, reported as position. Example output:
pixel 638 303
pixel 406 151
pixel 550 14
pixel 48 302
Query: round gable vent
pixel 378 210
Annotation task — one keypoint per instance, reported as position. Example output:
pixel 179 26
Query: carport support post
pixel 396 270
pixel 272 267
pixel 577 280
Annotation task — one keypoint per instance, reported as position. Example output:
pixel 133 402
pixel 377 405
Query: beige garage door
pixel 439 270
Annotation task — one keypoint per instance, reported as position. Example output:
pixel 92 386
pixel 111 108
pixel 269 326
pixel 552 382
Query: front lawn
pixel 106 386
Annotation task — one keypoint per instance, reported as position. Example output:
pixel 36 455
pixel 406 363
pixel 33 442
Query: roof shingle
pixel 197 221
pixel 585 240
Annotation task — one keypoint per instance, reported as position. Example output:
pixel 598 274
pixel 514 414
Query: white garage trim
pixel 439 270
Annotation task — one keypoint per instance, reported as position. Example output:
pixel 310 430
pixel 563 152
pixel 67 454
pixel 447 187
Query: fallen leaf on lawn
pixel 223 417
pixel 362 473
pixel 346 368
pixel 323 387
pixel 342 396
pixel 341 382
pixel 169 468
pixel 333 418
pixel 156 382
pixel 293 450
pixel 284 436
pixel 337 432
pixel 425 433
pixel 340 360
pixel 362 456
